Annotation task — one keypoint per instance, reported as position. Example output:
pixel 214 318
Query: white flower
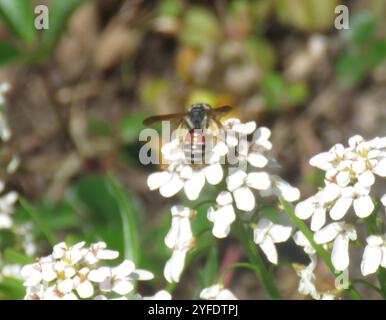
pixel 358 196
pixel 98 252
pixel 235 130
pixel 119 279
pixel 374 255
pixel 307 279
pixel 217 292
pixel 239 183
pixel 266 234
pixel 75 272
pixel 223 216
pixel 179 238
pixel 313 206
pixel 281 188
pixel 301 240
pixel 341 233
pixel 180 233
pixel 175 265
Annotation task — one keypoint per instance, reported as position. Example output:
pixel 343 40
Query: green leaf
pixel 279 94
pixel 209 272
pixel 363 27
pixel 307 15
pixel 17 257
pixel 19 16
pixel 39 221
pixel 60 12
pixel 170 8
pixel 201 28
pixel 94 195
pixel 262 273
pixel 354 65
pixel 131 126
pixel 12 288
pixel 127 210
pixel 8 52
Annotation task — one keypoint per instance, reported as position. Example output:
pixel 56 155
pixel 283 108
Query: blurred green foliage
pixel 27 44
pixel 366 49
pixel 221 57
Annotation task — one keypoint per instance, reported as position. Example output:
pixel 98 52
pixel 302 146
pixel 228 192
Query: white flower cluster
pixel 350 173
pixel 231 144
pixel 251 175
pixel 307 285
pixel 22 232
pixel 180 239
pixel 77 272
pixel 248 165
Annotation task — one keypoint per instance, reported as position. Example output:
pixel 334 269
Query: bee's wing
pixel 167 117
pixel 219 112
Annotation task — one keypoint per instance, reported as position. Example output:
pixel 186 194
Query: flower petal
pixel 122 287
pixel 380 168
pixel 269 250
pixel 235 180
pixel 366 179
pixel 363 206
pixel 340 256
pixel 328 233
pixel 321 161
pixel 305 209
pixel 172 187
pixel 244 198
pixel 194 186
pixel 372 257
pixel 258 180
pixel 214 173
pixel 318 219
pixel 340 208
pixel 257 160
pixel 280 233
pixel 85 289
pixel 224 198
pixel 222 219
pixel 158 179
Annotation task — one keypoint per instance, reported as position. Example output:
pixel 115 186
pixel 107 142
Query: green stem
pixel 228 268
pixel 264 276
pixel 323 254
pixel 40 222
pixel 308 234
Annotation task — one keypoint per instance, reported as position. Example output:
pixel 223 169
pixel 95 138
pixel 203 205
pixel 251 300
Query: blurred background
pixel 81 89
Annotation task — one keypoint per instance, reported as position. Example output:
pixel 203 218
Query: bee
pixel 200 121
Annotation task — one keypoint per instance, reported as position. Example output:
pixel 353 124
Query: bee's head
pixel 198 114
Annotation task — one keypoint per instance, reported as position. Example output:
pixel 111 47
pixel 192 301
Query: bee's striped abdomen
pixel 194 147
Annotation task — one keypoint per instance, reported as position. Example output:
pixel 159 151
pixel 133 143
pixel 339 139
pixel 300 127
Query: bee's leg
pixel 189 122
